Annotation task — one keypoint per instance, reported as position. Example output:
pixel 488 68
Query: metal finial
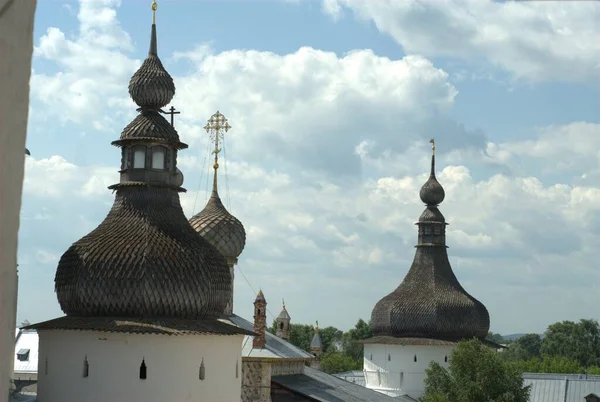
pixel 154 7
pixel 283 301
pixel 216 127
pixel 432 142
pixel 317 325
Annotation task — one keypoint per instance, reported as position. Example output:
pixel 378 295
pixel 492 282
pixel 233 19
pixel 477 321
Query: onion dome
pixel 430 302
pixel 144 259
pixel 151 86
pixel 214 222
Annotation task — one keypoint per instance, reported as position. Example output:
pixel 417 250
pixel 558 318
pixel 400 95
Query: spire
pixel 151 87
pixel 216 127
pixel 432 193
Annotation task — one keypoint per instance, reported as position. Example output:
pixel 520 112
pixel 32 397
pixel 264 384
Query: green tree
pixel 579 341
pixel 495 337
pixel 350 341
pixel 329 337
pixel 475 373
pixel 335 362
pixel 549 364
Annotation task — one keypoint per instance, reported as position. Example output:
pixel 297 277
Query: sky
pixel 332 105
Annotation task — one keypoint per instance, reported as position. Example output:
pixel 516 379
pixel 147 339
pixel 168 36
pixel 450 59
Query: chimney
pixel 260 320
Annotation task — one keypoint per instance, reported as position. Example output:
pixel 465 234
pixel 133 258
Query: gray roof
pixel 319 386
pixel 561 387
pixel 316 341
pixel 275 347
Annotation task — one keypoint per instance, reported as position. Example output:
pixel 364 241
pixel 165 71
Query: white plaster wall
pixel 391 369
pixel 114 360
pixel 16 47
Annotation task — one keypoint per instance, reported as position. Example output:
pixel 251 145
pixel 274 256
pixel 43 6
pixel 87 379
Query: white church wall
pixel 392 369
pixel 172 367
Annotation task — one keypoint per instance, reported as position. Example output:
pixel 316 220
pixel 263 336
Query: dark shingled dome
pixel 430 302
pixel 221 229
pixel 145 260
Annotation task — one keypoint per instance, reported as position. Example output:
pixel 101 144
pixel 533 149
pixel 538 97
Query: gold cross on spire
pixel 216 127
pixel 154 7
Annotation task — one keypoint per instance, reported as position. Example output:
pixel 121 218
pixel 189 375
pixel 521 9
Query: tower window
pixel 445 359
pixel 86 368
pixel 158 157
pixel 139 158
pixel 281 326
pixel 415 359
pixel 202 370
pixel 258 312
pixel 389 357
pixel 237 368
pixel 143 374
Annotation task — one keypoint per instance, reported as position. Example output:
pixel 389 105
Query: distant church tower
pixel 260 321
pixel 142 292
pixel 214 222
pixel 426 315
pixel 316 349
pixel 283 324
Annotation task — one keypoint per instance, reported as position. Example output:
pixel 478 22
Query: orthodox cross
pixel 171 112
pixel 216 127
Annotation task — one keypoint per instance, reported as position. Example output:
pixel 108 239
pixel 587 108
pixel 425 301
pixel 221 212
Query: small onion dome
pixel 223 230
pixel 143 260
pixel 151 86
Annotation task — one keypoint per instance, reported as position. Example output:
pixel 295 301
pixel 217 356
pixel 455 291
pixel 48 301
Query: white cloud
pixel 534 40
pixel 324 164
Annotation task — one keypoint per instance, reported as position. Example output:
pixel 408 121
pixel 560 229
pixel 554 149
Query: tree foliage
pixel 336 362
pixel 579 341
pixel 475 373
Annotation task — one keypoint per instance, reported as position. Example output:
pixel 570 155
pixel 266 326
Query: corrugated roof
pixel 323 387
pixel 27 340
pixel 275 347
pixel 561 387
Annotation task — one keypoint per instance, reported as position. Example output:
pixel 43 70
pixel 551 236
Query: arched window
pixel 202 371
pixel 143 373
pixel 415 359
pixel 281 325
pixel 257 311
pixel 158 157
pixel 139 157
pixel 86 368
pixel 445 359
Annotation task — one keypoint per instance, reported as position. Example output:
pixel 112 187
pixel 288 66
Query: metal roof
pixel 319 386
pixel 275 347
pixel 561 387
pixel 26 340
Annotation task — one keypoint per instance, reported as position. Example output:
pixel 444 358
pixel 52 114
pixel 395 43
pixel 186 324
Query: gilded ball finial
pixel 154 5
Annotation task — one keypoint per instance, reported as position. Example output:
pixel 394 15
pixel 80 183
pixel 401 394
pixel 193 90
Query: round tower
pixel 423 318
pixel 214 223
pixel 142 276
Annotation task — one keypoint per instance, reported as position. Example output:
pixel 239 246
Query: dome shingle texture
pixel 430 303
pixel 150 125
pixel 223 230
pixel 151 86
pixel 143 260
pixel 432 192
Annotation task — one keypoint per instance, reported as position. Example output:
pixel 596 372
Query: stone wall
pixel 256 381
